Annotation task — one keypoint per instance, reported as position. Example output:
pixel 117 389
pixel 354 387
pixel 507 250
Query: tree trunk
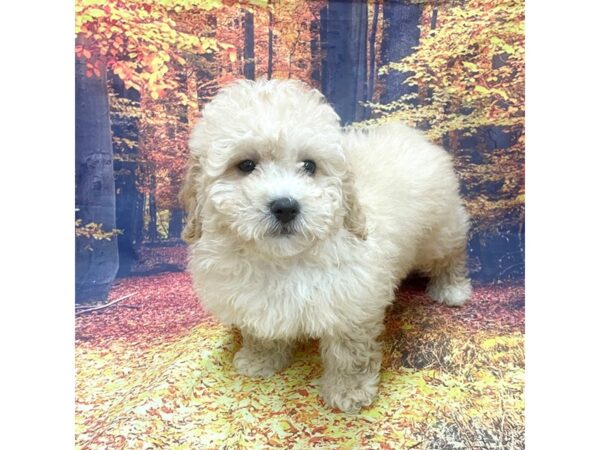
pixel 249 45
pixel 96 261
pixel 270 56
pixel 140 208
pixel 372 39
pixel 126 170
pixel 401 20
pixel 152 223
pixel 344 47
pixel 433 26
pixel 434 15
pixel 176 224
pixel 424 90
pixel 193 107
pixel 323 59
pixel 292 53
pixel 315 59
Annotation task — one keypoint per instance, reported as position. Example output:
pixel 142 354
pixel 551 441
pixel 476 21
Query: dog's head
pixel 268 169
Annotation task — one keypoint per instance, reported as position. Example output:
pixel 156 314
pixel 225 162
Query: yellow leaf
pixel 95 12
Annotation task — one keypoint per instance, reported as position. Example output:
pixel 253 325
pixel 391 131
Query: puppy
pixel 299 229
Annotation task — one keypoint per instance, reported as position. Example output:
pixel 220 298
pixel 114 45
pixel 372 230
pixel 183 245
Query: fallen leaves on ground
pixel 163 307
pixel 160 376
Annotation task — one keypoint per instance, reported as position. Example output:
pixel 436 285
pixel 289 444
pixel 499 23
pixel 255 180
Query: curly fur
pixel 381 204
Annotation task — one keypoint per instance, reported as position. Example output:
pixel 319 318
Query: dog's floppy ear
pixel 190 200
pixel 354 220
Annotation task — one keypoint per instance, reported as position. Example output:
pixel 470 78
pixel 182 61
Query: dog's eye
pixel 309 166
pixel 247 166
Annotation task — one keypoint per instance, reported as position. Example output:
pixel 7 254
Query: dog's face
pixel 267 168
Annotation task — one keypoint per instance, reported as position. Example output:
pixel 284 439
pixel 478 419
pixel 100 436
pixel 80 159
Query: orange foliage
pixel 177 54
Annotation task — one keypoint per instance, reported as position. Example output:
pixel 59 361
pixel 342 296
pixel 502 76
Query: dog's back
pixel 409 192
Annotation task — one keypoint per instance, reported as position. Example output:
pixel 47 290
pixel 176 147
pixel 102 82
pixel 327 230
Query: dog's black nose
pixel 285 209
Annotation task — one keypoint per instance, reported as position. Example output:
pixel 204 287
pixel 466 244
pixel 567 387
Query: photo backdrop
pixel 144 71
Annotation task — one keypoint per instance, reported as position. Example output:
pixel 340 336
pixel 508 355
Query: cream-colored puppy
pixel 298 229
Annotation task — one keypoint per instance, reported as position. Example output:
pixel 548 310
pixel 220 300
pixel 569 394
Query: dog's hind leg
pixel 260 357
pixel 449 282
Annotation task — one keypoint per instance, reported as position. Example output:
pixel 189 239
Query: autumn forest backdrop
pixel 153 369
pixel 145 68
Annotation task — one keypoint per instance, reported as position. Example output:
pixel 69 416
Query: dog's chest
pixel 300 299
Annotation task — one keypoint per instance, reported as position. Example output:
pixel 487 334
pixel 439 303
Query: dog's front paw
pixel 260 364
pixel 350 394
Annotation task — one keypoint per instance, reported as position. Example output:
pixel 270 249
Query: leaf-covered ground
pixel 154 371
